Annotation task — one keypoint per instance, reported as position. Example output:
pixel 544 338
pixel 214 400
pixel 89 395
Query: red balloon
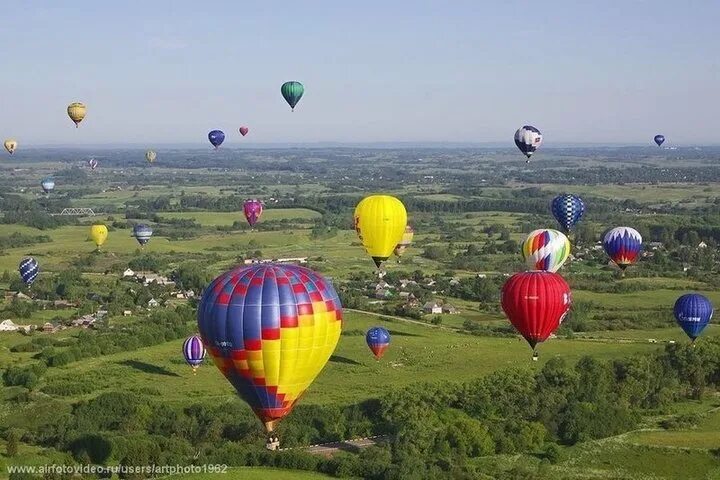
pixel 536 303
pixel 244 131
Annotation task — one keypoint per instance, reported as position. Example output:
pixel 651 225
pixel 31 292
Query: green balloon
pixel 292 92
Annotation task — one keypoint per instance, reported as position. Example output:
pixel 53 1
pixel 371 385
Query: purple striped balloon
pixel 194 351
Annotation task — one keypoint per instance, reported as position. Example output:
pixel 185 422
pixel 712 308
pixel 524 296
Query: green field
pixel 227 218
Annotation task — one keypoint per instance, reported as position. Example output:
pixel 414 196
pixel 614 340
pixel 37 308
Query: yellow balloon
pixel 380 222
pixel 76 112
pixel 98 234
pixel 10 145
pixel 150 156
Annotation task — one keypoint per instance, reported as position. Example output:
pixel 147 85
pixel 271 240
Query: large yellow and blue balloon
pixel 270 330
pixel 380 222
pixel 545 249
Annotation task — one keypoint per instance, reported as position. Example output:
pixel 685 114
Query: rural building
pixel 152 303
pixel 702 245
pixel 49 328
pixel 8 326
pixel 254 261
pixel 432 307
pixel 447 308
pixel 404 283
pixel 157 279
pixel 383 293
pixel 128 273
pixel 127 313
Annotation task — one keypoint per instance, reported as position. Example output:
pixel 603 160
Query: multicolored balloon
pixel 10 145
pixel 216 137
pixel 252 210
pixel 98 234
pixel 545 249
pixel 142 233
pixel 76 111
pixel 244 131
pixel 568 210
pixel 405 242
pixel 693 312
pixel 194 352
pixel 378 339
pixel 48 184
pixel 536 303
pixel 92 163
pixel 270 329
pixel 150 156
pixel 380 222
pixel 623 245
pixel 659 139
pixel 292 92
pixel 528 139
pixel 29 270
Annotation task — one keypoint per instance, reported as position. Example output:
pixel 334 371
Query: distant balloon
pixel 693 312
pixel 142 233
pixel 244 131
pixel 659 139
pixel 48 184
pixel 252 210
pixel 76 111
pixel 216 137
pixel 150 156
pixel 29 270
pixel 378 339
pixel 92 163
pixel 545 249
pixel 10 145
pixel 98 234
pixel 528 139
pixel 380 222
pixel 623 245
pixel 194 352
pixel 405 242
pixel 567 210
pixel 536 303
pixel 292 92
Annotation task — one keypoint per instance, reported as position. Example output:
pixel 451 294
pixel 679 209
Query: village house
pixel 447 308
pixel 383 293
pixel 405 282
pixel 254 261
pixel 432 307
pixel 702 245
pixel 128 273
pixel 149 278
pixel 49 328
pixel 127 313
pixel 152 303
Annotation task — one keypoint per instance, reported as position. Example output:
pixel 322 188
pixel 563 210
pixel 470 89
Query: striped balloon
pixel 623 245
pixel 693 312
pixel 292 92
pixel 545 249
pixel 92 163
pixel 29 270
pixel 270 329
pixel 142 233
pixel 568 210
pixel 378 339
pixel 194 351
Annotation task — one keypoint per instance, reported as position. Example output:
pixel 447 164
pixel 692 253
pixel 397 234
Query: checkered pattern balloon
pixel 567 210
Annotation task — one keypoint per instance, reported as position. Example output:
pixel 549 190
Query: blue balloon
pixel 48 184
pixel 659 139
pixel 568 210
pixel 378 339
pixel 216 137
pixel 693 312
pixel 142 233
pixel 29 270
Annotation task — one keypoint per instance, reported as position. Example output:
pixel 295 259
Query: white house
pixel 152 303
pixel 128 273
pixel 432 307
pixel 8 326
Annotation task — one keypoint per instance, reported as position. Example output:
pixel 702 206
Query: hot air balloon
pixel 48 184
pixel 150 156
pixel 10 145
pixel 194 352
pixel 545 249
pixel 528 139
pixel 535 303
pixel 142 234
pixel 252 210
pixel 92 163
pixel 244 131
pixel 568 210
pixel 292 92
pixel 659 139
pixel 380 222
pixel 76 111
pixel 623 246
pixel 378 339
pixel 216 137
pixel 29 270
pixel 98 234
pixel 693 312
pixel 405 242
pixel 270 329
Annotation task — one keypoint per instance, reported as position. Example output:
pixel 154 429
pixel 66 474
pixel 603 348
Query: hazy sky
pixel 157 71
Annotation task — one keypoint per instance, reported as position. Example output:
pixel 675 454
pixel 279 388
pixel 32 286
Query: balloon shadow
pixel 339 359
pixel 148 368
pixel 403 334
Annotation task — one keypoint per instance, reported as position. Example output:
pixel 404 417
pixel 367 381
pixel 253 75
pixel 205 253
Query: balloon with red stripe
pixel 623 245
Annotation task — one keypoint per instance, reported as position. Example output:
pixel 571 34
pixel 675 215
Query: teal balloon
pixel 292 92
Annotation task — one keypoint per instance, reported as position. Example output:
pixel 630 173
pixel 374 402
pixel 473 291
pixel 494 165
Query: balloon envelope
pixel 292 92
pixel 659 139
pixel 693 312
pixel 193 351
pixel 528 139
pixel 29 270
pixel 76 111
pixel 142 233
pixel 216 137
pixel 252 210
pixel 244 131
pixel 48 184
pixel 10 145
pixel 92 163
pixel 150 156
pixel 568 210
pixel 378 339
pixel 623 245
pixel 98 234
pixel 405 242
pixel 380 222
pixel 270 329
pixel 545 249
